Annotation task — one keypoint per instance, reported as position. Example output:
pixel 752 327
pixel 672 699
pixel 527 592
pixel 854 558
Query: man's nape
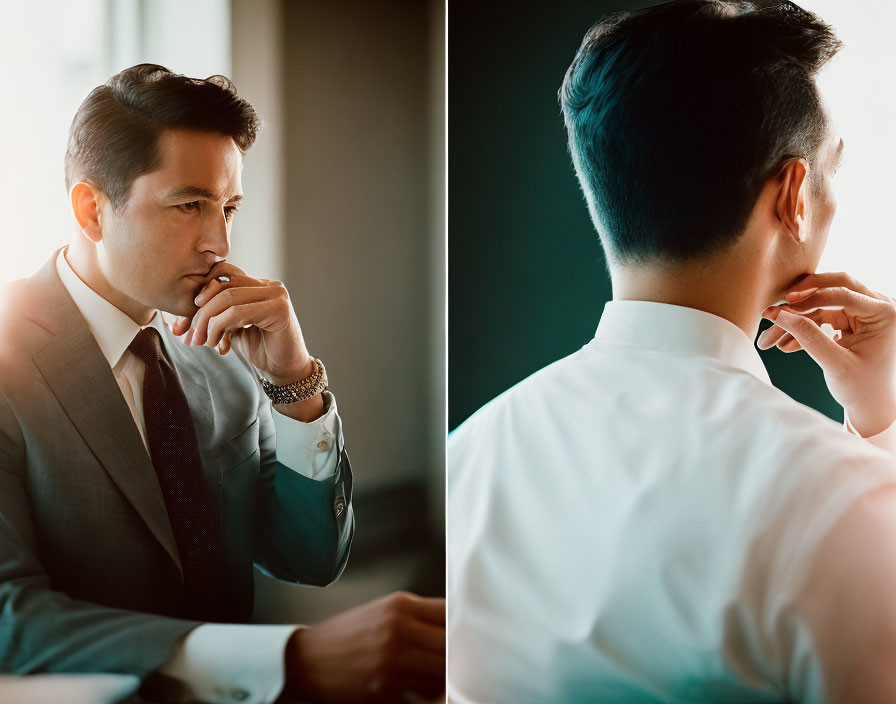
pixel 781 243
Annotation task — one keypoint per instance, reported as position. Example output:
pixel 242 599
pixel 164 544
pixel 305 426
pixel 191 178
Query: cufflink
pixel 339 505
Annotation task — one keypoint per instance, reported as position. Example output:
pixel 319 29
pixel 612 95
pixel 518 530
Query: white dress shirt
pixel 635 522
pixel 220 663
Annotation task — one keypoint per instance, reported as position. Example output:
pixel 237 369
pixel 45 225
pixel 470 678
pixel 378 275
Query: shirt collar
pixel 113 329
pixel 682 330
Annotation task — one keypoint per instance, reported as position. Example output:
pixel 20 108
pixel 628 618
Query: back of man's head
pixel 678 113
pixel 113 136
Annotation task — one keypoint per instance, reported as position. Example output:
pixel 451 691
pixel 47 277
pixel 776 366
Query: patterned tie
pixel 191 506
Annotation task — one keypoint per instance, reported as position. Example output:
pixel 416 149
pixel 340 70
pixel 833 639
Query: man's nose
pixel 216 237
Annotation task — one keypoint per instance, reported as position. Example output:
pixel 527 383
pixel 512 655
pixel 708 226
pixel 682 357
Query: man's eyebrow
pixel 196 192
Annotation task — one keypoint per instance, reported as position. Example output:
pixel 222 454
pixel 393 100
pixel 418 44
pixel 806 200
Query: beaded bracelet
pixel 300 390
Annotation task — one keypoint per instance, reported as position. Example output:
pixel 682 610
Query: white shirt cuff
pixel 311 449
pixel 885 439
pixel 227 663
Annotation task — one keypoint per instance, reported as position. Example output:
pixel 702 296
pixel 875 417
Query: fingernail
pixel 770 313
pixel 799 295
pixel 199 300
pixel 763 337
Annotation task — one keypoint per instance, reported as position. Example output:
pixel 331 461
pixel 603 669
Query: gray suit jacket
pixel 90 578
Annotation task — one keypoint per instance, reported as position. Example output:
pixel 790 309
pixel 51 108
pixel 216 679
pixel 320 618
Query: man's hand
pixel 257 315
pixel 372 653
pixel 860 367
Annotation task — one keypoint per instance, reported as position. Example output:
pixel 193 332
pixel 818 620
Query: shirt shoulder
pixel 628 404
pixel 512 401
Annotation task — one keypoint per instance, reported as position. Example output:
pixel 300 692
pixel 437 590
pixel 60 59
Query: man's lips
pixel 203 274
pixel 200 274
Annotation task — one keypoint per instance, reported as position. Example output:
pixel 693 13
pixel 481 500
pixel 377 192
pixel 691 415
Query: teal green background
pixel 527 279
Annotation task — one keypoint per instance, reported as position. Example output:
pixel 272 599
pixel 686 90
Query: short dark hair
pixel 678 113
pixel 113 137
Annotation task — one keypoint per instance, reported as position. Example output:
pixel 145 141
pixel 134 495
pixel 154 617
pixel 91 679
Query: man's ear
pixel 792 181
pixel 87 205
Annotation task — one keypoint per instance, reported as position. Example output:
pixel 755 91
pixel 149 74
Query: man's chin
pixel 180 302
pixel 181 307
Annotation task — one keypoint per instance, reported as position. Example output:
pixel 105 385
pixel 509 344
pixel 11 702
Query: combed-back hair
pixel 113 137
pixel 678 113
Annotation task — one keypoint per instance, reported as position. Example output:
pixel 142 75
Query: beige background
pixel 345 191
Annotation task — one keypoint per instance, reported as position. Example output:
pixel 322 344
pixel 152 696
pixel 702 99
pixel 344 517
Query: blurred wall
pixel 527 278
pixel 348 171
pixel 259 231
pixel 358 240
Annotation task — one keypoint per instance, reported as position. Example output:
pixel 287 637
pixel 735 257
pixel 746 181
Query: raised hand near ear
pixel 859 367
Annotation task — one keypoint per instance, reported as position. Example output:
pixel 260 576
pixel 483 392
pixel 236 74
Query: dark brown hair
pixel 113 137
pixel 678 113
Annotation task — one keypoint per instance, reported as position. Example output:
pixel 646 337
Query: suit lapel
pixel 75 369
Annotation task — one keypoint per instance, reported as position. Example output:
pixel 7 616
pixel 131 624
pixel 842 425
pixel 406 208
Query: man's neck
pixel 86 268
pixel 732 292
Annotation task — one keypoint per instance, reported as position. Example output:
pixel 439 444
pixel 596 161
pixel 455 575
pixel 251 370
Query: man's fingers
pixel 837 322
pixel 788 344
pixel 770 337
pixel 181 325
pixel 226 268
pixel 844 299
pixel 429 609
pixel 225 344
pixel 832 278
pixel 811 337
pixel 214 286
pixel 425 635
pixel 776 336
pixel 259 313
pixel 225 299
pixel 422 662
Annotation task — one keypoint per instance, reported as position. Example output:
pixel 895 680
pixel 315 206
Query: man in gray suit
pixel 144 468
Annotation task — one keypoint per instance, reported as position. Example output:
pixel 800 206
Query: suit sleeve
pixel 306 524
pixel 44 630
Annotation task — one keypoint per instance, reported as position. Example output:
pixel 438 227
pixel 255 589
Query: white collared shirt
pixel 633 522
pixel 219 662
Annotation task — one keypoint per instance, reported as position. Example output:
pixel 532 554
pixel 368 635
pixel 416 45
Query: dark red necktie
pixel 191 506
